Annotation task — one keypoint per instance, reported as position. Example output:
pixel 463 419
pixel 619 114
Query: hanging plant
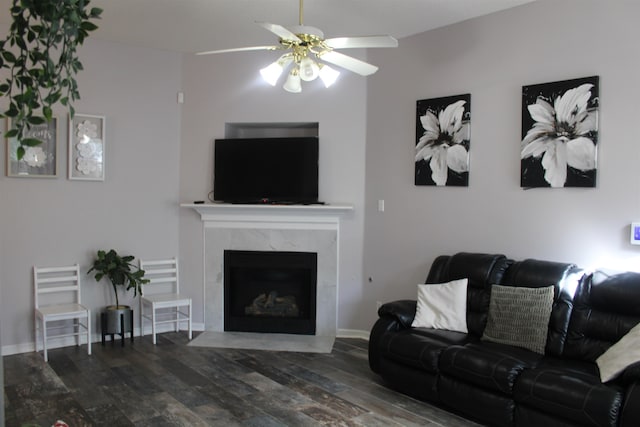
pixel 40 54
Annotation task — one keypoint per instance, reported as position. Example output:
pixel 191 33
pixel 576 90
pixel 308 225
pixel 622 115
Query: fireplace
pixel 270 291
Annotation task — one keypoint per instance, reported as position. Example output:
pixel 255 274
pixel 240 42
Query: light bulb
pixel 328 75
pixel 293 82
pixel 308 69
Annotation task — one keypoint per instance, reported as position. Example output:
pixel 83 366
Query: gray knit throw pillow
pixel 519 316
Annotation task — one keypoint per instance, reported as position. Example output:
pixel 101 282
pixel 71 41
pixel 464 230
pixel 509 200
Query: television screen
pixel 266 170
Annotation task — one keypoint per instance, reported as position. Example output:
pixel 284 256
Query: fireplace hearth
pixel 270 291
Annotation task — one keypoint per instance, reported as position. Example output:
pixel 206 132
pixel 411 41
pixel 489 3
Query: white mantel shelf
pixel 261 215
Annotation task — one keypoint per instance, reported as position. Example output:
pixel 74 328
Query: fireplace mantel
pixel 298 228
pixel 236 215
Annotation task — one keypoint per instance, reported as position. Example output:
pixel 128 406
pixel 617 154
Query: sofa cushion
pixel 419 347
pixel 619 356
pixel 482 270
pixel 442 306
pixel 565 277
pixel 519 316
pixel 487 365
pixel 569 390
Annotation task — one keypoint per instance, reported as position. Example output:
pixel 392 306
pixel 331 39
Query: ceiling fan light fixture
pixel 308 50
pixel 272 72
pixel 309 70
pixel 293 84
pixel 328 75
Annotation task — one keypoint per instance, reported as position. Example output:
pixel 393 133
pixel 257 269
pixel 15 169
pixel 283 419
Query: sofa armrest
pixel 630 416
pixel 631 374
pixel 402 310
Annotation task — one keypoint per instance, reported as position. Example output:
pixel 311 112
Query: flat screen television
pixel 266 170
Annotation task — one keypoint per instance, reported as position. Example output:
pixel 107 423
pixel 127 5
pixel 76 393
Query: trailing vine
pixel 40 54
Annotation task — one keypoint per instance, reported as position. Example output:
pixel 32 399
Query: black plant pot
pixel 116 320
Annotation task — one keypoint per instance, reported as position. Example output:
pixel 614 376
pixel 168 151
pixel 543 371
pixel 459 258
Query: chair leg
pixel 153 323
pixel 141 318
pixel 44 340
pixel 35 331
pixel 89 334
pixel 189 320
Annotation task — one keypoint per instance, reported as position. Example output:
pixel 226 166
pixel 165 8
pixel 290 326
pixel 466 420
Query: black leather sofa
pixel 503 385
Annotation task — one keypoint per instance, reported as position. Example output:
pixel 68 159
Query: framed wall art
pixel 442 141
pixel 86 147
pixel 39 161
pixel 560 134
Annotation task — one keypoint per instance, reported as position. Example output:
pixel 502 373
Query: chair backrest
pixel 162 275
pixel 56 285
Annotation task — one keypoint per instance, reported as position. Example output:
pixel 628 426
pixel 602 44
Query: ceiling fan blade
pixel 239 49
pixel 361 42
pixel 280 31
pixel 348 63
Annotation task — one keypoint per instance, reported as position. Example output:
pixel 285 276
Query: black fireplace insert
pixel 270 291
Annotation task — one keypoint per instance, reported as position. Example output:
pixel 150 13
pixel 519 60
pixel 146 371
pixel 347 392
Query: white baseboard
pixel 29 347
pixel 353 333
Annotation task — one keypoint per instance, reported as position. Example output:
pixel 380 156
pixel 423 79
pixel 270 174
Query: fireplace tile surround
pixel 296 228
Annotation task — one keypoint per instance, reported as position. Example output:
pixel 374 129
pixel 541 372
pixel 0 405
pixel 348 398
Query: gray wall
pixel 491 58
pixel 159 154
pixel 221 89
pixel 135 210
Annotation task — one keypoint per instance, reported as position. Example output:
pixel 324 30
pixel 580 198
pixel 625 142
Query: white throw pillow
pixel 620 355
pixel 442 306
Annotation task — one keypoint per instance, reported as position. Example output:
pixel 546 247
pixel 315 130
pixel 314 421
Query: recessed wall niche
pixel 270 130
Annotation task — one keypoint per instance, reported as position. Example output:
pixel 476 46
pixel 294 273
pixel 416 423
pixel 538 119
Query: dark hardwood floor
pixel 171 384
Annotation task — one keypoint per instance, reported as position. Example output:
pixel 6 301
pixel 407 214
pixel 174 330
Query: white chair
pixel 58 301
pixel 161 302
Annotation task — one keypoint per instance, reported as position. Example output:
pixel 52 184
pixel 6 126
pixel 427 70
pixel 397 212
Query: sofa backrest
pixel 565 279
pixel 606 307
pixel 482 270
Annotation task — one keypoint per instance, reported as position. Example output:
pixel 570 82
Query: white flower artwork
pixel 560 134
pixel 86 147
pixel 442 141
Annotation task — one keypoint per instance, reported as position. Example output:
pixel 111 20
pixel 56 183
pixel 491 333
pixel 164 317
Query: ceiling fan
pixel 306 48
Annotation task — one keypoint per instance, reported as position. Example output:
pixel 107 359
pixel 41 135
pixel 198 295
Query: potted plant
pixel 121 273
pixel 40 59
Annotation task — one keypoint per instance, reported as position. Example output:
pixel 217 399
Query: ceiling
pixel 201 25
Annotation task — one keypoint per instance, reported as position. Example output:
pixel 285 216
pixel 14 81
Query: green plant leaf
pixel 30 142
pixel 36 120
pixel 20 152
pixel 48 113
pixel 88 26
pixel 8 56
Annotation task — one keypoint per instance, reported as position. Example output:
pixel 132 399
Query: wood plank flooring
pixel 171 384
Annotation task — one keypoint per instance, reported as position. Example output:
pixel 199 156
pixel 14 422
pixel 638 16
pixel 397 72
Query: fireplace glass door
pixel 270 291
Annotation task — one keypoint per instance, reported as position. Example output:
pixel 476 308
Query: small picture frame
pixel 40 161
pixel 635 233
pixel 86 147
